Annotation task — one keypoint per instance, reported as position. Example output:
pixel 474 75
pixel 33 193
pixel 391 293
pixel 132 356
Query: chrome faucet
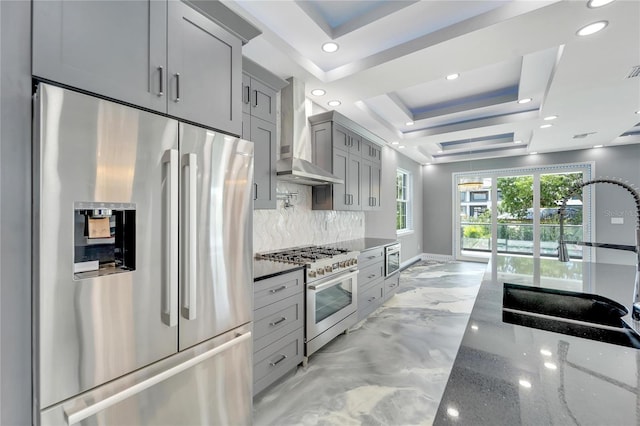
pixel 563 254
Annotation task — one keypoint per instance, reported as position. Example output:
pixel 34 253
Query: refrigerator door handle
pixel 170 310
pixel 189 162
pixel 88 411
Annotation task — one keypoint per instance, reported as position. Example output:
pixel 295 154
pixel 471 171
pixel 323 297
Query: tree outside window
pixel 403 200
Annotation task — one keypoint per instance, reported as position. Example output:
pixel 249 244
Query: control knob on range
pixel 312 274
pixel 320 271
pixel 343 264
pixel 328 269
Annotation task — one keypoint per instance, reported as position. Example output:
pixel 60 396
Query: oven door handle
pixel 331 281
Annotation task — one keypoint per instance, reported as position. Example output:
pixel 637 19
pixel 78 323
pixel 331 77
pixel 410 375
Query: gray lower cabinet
pixel 391 284
pixel 278 328
pixel 164 56
pixel 370 281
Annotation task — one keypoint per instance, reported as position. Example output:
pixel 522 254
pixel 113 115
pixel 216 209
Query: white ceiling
pixel 394 56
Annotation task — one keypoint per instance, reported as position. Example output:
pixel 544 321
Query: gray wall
pixel 381 224
pixel 619 161
pixel 15 213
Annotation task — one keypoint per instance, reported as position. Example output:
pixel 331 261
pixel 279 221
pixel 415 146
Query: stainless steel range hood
pixel 295 148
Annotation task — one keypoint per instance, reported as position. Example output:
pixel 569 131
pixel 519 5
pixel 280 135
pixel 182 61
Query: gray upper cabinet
pixel 259 99
pixel 113 48
pixel 204 70
pixel 164 56
pixel 337 146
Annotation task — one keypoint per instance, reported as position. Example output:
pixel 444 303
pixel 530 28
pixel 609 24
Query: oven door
pixel 392 259
pixel 329 301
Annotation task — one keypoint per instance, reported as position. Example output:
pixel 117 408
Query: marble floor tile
pixel 390 369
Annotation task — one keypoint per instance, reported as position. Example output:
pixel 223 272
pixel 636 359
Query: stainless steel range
pixel 331 290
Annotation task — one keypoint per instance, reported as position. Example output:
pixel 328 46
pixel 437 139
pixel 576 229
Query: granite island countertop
pixel 364 244
pixel 506 374
pixel 263 269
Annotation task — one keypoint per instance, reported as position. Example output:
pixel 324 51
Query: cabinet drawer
pixel 272 362
pixel 391 284
pixel 370 273
pixel 370 299
pixel 367 257
pixel 275 321
pixel 271 290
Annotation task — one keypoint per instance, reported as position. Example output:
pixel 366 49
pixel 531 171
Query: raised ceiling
pixel 394 56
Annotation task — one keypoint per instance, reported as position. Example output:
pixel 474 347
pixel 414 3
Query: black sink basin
pixel 578 314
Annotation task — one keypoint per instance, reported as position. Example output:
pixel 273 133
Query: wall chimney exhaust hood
pixel 295 141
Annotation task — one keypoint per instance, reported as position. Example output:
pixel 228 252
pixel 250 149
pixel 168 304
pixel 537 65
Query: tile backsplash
pixel 298 225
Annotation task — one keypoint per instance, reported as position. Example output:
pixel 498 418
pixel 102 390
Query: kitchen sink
pixel 578 314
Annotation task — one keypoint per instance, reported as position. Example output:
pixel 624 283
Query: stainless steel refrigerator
pixel 142 267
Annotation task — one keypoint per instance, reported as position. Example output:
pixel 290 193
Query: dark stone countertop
pixel 263 269
pixel 506 374
pixel 364 244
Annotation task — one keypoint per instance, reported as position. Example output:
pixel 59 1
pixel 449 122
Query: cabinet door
pixel 341 137
pixel 263 101
pixel 367 198
pixel 205 70
pixel 355 146
pixel 354 182
pixel 374 185
pixel 246 94
pixel 340 169
pixel 263 135
pixel 113 48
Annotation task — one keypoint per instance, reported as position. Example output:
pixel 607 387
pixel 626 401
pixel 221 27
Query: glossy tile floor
pixel 390 369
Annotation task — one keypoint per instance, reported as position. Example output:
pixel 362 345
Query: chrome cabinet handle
pixel 75 417
pixel 255 98
pixel 170 261
pixel 248 91
pixel 278 322
pixel 371 299
pixel 177 87
pixel 161 71
pixel 255 191
pixel 275 290
pixel 371 276
pixel 273 364
pixel 189 163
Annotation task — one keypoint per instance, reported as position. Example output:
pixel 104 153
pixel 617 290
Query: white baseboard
pixel 440 257
pixel 411 261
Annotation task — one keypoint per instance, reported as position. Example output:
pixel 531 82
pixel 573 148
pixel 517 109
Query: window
pixel 403 201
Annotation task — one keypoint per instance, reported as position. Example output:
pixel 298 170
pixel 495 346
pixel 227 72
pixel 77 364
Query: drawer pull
pixel 371 299
pixel 273 364
pixel 275 290
pixel 371 257
pixel 371 276
pixel 278 322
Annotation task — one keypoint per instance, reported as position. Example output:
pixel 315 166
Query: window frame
pixel 407 200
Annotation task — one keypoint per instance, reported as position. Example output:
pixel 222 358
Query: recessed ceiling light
pixel 401 146
pixel 318 92
pixel 453 412
pixel 550 117
pixel 452 76
pixel 525 383
pixel 395 143
pixel 533 153
pixel 440 151
pixel 598 146
pixel 334 103
pixel 524 100
pixel 409 123
pixel 330 47
pixel 550 366
pixel 546 126
pixel 598 3
pixel 546 352
pixel 592 28
pixel 518 141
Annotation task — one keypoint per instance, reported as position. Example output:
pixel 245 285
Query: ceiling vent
pixel 583 135
pixel 635 72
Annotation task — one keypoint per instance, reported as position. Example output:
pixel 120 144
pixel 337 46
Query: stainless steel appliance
pixel 142 267
pixel 331 290
pixel 391 259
